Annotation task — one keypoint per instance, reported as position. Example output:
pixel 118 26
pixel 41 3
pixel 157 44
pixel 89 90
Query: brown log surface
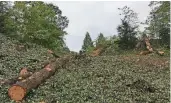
pixel 148 45
pixel 14 79
pixel 98 50
pixel 19 90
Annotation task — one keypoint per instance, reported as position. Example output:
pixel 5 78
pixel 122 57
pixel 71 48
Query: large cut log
pixel 10 81
pixel 161 53
pixel 99 50
pixel 148 45
pixel 22 75
pixel 144 52
pixel 19 90
pixel 146 40
pixel 96 52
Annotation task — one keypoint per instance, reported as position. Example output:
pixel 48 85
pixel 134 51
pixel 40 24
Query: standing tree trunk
pixel 19 90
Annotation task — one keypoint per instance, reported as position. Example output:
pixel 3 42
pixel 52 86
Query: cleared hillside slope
pixel 102 79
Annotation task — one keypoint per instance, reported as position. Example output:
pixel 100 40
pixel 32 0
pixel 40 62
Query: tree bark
pixel 13 80
pixel 9 81
pixel 19 90
pixel 148 45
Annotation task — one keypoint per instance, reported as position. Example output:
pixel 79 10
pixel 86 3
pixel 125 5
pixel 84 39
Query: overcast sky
pixel 95 17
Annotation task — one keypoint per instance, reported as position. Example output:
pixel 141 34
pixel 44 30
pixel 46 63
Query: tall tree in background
pixel 129 16
pixel 158 21
pixel 4 7
pixel 100 39
pixel 37 22
pixel 127 31
pixel 61 21
pixel 87 43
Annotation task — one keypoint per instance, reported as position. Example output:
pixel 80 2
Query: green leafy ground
pixel 103 79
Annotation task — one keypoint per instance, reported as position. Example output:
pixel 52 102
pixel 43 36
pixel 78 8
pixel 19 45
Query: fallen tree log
pixel 146 41
pixel 13 80
pixel 96 52
pixel 161 53
pixel 99 50
pixel 19 90
pixel 144 52
pixel 22 76
pixel 148 45
pixel 10 81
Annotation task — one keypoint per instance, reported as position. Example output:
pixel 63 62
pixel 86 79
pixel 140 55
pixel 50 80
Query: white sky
pixel 95 17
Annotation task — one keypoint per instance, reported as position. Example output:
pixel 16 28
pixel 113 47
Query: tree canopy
pixel 127 30
pixel 87 43
pixel 37 22
pixel 159 21
pixel 100 39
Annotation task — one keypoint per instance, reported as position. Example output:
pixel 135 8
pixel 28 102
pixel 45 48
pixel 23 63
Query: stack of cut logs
pixel 149 48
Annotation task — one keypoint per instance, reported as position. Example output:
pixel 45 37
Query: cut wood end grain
pixel 161 53
pixel 16 92
pixel 48 68
pixel 19 90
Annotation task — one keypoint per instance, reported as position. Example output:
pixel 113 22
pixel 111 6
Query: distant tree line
pixel 158 28
pixel 43 23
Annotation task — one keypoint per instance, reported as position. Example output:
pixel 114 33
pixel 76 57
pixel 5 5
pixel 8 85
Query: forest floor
pixel 102 79
pixel 110 79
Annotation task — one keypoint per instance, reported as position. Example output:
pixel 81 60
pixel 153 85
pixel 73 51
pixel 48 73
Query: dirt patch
pixel 146 60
